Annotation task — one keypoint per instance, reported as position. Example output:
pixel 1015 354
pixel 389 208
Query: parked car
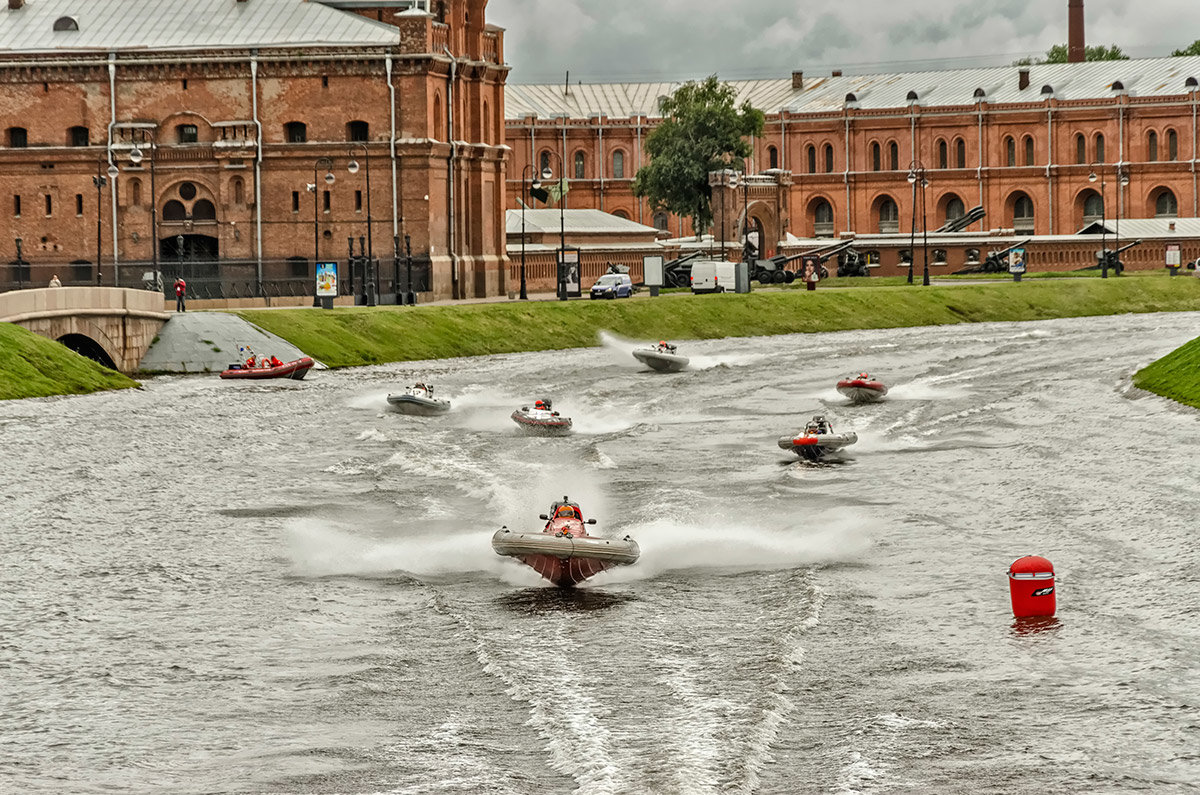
pixel 613 285
pixel 713 277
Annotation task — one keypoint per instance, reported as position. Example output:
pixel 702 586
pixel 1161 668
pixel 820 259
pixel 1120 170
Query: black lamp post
pixel 562 223
pixel 136 157
pixel 533 185
pixel 352 167
pixel 327 164
pixel 1103 220
pixel 1122 183
pixel 916 175
pixel 411 297
pixel 100 181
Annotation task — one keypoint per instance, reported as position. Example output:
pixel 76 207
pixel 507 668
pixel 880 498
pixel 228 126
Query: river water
pixel 217 587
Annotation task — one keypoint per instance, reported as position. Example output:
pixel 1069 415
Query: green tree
pixel 703 130
pixel 1058 54
pixel 1193 49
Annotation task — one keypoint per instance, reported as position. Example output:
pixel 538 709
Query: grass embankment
pixel 33 366
pixel 359 336
pixel 1175 376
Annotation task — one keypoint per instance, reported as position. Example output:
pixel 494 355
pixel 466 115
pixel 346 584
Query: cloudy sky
pixel 613 40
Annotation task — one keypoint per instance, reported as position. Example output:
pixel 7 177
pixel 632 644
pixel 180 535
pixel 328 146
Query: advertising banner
pixel 1016 260
pixel 327 280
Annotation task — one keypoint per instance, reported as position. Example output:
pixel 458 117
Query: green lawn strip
pixel 1175 376
pixel 33 366
pixel 353 336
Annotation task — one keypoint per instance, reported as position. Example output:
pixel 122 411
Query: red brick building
pixel 220 117
pixel 1020 141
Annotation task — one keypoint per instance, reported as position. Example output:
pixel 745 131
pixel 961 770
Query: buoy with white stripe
pixel 1031 586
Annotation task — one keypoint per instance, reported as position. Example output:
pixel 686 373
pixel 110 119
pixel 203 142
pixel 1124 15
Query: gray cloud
pixel 675 39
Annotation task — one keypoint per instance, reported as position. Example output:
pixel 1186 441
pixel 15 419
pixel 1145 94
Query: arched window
pixel 772 157
pixel 618 165
pixel 78 136
pixel 939 256
pixel 544 162
pixel 828 158
pixel 943 155
pixel 960 154
pixel 1172 145
pixel 1166 205
pixel 1093 207
pixel 580 165
pixel 955 209
pixel 621 214
pixel 662 221
pixel 1099 147
pixel 204 210
pixel 876 157
pixel 823 219
pixel 135 192
pixel 173 211
pixel 1080 149
pixel 66 23
pixel 295 132
pixel 486 121
pixel 18 137
pixel 812 159
pixel 889 217
pixel 239 191
pixel 1010 151
pixel 894 155
pixel 187 133
pixel 358 131
pixel 1029 154
pixel 1152 146
pixel 1023 220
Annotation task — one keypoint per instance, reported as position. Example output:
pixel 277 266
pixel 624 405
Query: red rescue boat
pixel 295 370
pixel 862 388
pixel 563 552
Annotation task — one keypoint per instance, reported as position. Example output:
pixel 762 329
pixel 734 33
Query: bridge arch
pixel 89 348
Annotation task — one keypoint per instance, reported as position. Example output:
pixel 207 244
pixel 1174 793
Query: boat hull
pixel 662 362
pixel 860 391
pixel 566 560
pixel 417 405
pixel 814 448
pixel 295 370
pixel 542 426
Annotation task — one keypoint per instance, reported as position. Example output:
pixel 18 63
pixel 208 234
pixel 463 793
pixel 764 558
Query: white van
pixel 713 277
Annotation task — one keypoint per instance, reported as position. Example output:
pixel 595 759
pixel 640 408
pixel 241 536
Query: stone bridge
pixel 112 325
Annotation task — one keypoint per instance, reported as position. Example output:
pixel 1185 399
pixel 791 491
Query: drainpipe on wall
pixel 454 287
pixel 783 140
pixel 600 169
pixel 979 169
pixel 1120 160
pixel 846 171
pixel 258 158
pixel 112 186
pixel 1050 161
pixel 641 200
pixel 1195 186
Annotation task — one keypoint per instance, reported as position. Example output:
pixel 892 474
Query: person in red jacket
pixel 180 294
pixel 275 361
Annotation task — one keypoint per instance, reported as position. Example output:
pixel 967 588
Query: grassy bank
pixel 1175 376
pixel 359 335
pixel 33 366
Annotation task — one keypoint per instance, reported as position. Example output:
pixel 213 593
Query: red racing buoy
pixel 1031 585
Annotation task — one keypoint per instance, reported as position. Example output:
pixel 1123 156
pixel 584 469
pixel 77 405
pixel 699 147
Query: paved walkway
pixel 207 342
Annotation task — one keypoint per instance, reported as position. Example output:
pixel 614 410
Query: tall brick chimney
pixel 1076 42
pixel 797 81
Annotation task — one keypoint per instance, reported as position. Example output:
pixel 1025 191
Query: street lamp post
pixel 136 157
pixel 327 164
pixel 1103 220
pixel 547 174
pixel 1122 183
pixel 100 181
pixel 533 185
pixel 917 176
pixel 352 167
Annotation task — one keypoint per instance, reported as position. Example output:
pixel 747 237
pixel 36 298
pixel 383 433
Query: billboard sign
pixel 1016 260
pixel 327 280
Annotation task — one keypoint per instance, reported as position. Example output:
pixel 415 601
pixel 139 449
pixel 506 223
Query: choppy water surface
pixel 283 587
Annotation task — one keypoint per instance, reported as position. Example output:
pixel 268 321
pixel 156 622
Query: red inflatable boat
pixel 295 370
pixel 862 388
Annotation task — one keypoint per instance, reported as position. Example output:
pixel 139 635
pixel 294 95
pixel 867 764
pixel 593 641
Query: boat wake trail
pixel 670 546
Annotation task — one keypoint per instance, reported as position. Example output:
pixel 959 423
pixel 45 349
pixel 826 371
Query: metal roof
pixel 591 222
pixel 165 25
pixel 1186 228
pixel 1152 77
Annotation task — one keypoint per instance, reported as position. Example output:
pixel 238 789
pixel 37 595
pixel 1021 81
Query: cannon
pixel 775 271
pixel 851 263
pixel 1114 258
pixel 678 272
pixel 994 262
pixel 959 224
